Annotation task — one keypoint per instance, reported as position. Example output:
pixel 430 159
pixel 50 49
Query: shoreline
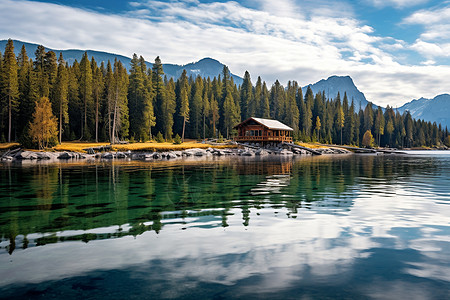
pixel 152 155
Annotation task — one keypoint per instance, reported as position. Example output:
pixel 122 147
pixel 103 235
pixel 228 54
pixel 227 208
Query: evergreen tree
pixel 265 106
pixel 196 107
pixel 149 95
pixel 379 124
pixel 169 109
pixel 230 114
pixel 86 93
pixel 205 111
pixel 26 84
pixel 184 101
pixel 10 83
pixel 158 88
pixel 97 90
pixel 248 106
pixel 60 102
pixel 214 114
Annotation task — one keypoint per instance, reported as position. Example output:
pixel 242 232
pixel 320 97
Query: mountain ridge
pixel 205 67
pixel 431 110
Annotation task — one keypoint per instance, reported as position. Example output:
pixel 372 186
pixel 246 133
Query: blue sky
pixel 395 50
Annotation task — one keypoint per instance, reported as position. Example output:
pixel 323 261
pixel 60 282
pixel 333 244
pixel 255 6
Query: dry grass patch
pixel 77 146
pixel 311 145
pixel 4 146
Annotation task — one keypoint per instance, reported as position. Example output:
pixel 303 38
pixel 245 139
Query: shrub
pixel 159 138
pixel 177 140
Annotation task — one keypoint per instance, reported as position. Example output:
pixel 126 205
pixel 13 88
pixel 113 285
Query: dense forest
pixel 88 101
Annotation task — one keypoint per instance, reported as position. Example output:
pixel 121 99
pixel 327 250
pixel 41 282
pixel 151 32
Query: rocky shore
pixel 91 154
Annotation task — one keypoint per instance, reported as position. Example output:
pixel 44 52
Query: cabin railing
pixel 264 138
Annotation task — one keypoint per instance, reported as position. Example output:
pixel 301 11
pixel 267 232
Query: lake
pixel 326 227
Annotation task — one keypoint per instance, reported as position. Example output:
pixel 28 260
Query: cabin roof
pixel 270 124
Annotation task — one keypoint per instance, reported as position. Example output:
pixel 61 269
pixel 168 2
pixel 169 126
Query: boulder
pixel 108 155
pixel 247 153
pixel 65 155
pixel 121 155
pixel 171 155
pixel 285 152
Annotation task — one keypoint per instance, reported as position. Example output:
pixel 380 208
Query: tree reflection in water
pixel 46 204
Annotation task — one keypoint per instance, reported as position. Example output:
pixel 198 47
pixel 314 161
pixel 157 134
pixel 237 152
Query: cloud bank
pixel 291 42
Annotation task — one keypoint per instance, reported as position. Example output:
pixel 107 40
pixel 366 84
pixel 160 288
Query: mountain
pixel 432 110
pixel 206 67
pixel 341 84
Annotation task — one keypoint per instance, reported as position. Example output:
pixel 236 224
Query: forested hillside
pixel 105 102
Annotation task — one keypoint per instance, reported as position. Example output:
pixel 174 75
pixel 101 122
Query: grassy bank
pixel 6 146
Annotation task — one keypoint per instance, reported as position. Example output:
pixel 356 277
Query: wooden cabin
pixel 263 131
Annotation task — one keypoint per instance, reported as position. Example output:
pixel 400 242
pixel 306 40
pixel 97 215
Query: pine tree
pixel 61 93
pixel 379 124
pixel 205 111
pixel 169 104
pixel 149 95
pixel 214 114
pixel 26 83
pixel 136 96
pixel 97 90
pixel 42 86
pixel 231 116
pixel 184 101
pixel 265 105
pixel 340 118
pixel 196 106
pixel 246 95
pixel 86 93
pixel 10 83
pixel 158 87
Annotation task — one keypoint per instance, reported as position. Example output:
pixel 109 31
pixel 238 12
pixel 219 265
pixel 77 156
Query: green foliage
pixel 220 139
pixel 177 140
pixel 106 103
pixel 159 137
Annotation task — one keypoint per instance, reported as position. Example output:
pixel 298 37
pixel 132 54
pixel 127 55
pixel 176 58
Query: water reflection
pixel 341 227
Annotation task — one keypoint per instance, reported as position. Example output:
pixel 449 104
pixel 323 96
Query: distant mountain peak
pixel 339 84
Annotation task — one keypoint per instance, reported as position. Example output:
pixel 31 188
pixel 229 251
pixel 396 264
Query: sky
pixel 395 50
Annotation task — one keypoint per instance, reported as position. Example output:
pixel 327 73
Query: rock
pixel 43 155
pixel 108 155
pixel 26 155
pixel 89 150
pixel 261 152
pixel 285 152
pixel 247 153
pixel 65 155
pixel 177 153
pixel 171 155
pixel 156 155
pixel 121 155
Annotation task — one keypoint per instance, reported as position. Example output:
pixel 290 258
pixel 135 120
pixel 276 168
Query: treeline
pixel 104 102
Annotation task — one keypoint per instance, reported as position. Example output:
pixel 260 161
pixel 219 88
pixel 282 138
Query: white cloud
pixel 396 3
pixel 273 45
pixel 434 42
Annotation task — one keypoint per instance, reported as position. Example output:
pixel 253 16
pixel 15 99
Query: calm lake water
pixel 328 227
